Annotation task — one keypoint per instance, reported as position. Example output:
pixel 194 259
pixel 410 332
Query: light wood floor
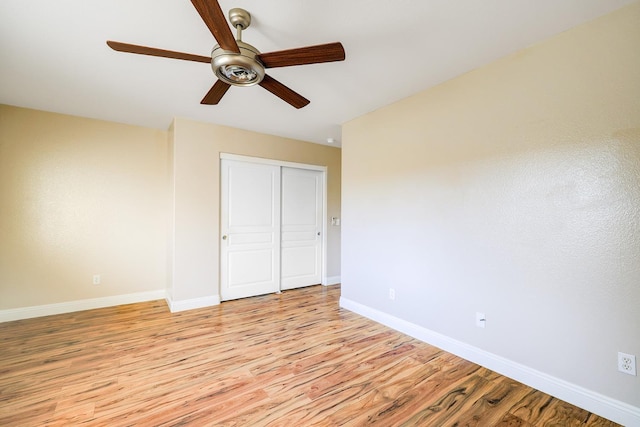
pixel 294 359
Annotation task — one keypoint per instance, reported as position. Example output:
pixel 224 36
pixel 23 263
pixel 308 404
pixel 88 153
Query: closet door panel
pixel 301 228
pixel 249 229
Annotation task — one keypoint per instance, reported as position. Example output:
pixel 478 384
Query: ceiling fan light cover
pixel 241 69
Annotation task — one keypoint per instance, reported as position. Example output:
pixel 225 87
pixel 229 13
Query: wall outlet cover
pixel 627 363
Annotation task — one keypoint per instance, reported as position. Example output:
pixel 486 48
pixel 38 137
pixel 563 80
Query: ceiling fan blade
pixel 152 51
pixel 212 15
pixel 329 52
pixel 283 92
pixel 216 93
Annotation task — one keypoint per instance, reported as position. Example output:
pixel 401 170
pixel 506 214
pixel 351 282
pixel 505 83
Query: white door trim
pixel 274 162
pixel 262 160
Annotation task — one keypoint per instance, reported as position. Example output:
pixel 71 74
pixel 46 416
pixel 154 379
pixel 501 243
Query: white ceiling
pixel 53 55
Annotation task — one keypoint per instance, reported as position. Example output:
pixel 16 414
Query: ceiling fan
pixel 237 63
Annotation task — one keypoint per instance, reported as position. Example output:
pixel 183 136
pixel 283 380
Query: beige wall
pixel 196 164
pixel 138 206
pixel 513 190
pixel 79 197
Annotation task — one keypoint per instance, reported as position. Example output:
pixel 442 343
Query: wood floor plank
pixel 486 405
pixel 420 392
pixel 510 420
pixel 293 359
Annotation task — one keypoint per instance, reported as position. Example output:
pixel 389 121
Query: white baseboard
pixel 332 280
pixel 191 304
pixel 79 305
pixel 597 403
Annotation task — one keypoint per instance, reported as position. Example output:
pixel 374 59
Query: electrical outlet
pixel 627 363
pixel 392 294
pixel 96 279
pixel 481 320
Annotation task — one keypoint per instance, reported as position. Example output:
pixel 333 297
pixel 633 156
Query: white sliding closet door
pixel 250 229
pixel 271 228
pixel 301 227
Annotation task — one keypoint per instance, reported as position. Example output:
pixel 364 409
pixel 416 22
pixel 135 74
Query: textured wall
pixel 513 190
pixel 79 197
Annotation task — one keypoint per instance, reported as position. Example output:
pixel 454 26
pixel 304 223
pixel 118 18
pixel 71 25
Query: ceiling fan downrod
pixel 240 19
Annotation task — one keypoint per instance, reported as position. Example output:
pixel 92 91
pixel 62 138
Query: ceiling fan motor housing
pixel 238 69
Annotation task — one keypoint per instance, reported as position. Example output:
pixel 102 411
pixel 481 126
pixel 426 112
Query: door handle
pixel 318 233
pixel 224 237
